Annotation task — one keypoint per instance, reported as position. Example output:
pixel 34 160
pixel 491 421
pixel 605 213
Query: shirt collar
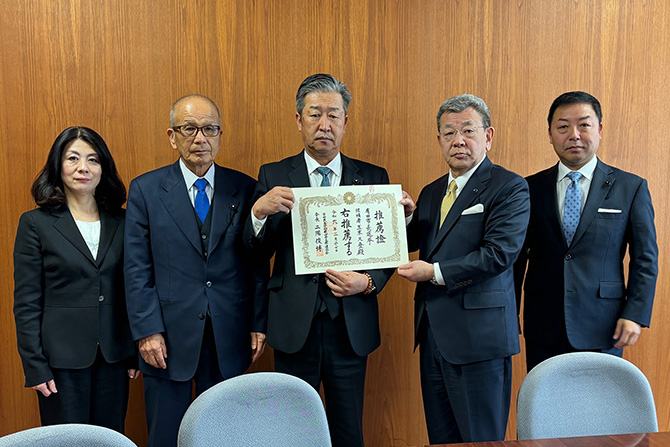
pixel 461 180
pixel 587 170
pixel 335 164
pixel 190 177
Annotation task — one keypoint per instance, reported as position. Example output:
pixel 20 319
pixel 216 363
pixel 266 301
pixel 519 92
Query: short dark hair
pixel 458 104
pixel 323 83
pixel 576 97
pixel 47 189
pixel 173 113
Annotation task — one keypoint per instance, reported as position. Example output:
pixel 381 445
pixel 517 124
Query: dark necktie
pixel 324 171
pixel 201 200
pixel 572 207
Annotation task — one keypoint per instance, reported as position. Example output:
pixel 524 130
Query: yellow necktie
pixel 448 200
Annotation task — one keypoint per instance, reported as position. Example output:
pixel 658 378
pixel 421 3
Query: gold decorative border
pixel 349 198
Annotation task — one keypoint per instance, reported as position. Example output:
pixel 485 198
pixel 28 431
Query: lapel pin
pixel 357 182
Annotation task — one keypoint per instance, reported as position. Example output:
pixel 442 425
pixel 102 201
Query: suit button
pixel 201 316
pixel 101 298
pixel 208 284
pixel 315 279
pixel 204 236
pixel 568 257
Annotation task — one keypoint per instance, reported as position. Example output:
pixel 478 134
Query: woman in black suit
pixel 69 305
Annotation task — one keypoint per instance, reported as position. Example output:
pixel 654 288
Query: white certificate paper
pixel 348 228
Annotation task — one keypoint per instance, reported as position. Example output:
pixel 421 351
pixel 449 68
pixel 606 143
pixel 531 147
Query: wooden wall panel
pixel 117 65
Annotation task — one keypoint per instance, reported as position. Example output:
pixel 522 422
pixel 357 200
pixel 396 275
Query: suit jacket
pixel 171 283
pixel 293 298
pixel 584 284
pixel 473 316
pixel 66 302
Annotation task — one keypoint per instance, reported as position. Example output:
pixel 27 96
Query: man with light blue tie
pixel 196 299
pixel 322 327
pixel 585 216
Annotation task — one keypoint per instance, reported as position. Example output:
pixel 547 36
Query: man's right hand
pixel 278 199
pixel 46 388
pixel 153 350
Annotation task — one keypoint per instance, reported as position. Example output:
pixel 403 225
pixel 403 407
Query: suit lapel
pixel 350 175
pixel 178 205
pixel 108 226
pixel 603 179
pixel 472 189
pixel 225 206
pixel 434 209
pixel 298 175
pixel 67 227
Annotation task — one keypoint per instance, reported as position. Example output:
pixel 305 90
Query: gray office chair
pixel 584 394
pixel 259 409
pixel 67 435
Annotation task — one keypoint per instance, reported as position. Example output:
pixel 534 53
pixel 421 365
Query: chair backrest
pixel 70 435
pixel 584 394
pixel 256 409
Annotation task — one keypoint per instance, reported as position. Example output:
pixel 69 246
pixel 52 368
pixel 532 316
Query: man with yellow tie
pixel 469 226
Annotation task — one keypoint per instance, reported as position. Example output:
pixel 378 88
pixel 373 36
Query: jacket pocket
pixel 611 289
pixel 484 300
pixel 276 282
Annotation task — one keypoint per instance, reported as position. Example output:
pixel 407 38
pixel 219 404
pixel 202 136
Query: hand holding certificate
pixel 348 228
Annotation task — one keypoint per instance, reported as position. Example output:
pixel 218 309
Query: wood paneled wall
pixel 117 65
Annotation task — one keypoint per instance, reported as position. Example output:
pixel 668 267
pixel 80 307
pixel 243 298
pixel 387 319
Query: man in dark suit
pixel 469 226
pixel 192 291
pixel 322 327
pixel 585 214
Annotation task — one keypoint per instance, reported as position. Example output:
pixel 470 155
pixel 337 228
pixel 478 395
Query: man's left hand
pixel 346 283
pixel 417 271
pixel 626 332
pixel 258 342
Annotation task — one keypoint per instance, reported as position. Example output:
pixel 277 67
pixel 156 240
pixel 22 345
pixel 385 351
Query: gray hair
pixel 173 113
pixel 322 83
pixel 457 104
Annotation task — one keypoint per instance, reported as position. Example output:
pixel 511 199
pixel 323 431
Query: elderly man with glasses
pixel 196 300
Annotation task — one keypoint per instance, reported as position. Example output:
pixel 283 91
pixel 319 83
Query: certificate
pixel 348 228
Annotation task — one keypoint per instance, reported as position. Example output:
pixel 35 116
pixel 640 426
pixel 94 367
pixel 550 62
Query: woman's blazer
pixel 66 302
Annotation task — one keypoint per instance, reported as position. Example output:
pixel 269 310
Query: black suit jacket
pixel 584 284
pixel 66 302
pixel 473 316
pixel 171 283
pixel 292 298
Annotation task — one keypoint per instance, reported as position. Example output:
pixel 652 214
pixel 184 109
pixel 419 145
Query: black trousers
pixel 167 400
pixel 327 357
pixel 96 395
pixel 463 403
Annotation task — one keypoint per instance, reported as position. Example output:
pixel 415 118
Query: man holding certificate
pixel 322 326
pixel 469 226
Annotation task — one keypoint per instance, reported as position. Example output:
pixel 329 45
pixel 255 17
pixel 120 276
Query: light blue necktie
pixel 324 171
pixel 201 200
pixel 572 207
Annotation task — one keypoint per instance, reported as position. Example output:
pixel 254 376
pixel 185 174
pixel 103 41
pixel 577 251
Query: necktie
pixel 201 200
pixel 324 171
pixel 572 207
pixel 447 201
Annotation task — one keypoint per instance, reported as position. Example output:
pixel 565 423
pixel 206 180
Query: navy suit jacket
pixel 584 284
pixel 293 298
pixel 171 283
pixel 473 316
pixel 65 301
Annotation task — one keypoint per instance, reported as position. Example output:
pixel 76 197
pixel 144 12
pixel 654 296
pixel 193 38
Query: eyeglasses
pixel 190 131
pixel 467 132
